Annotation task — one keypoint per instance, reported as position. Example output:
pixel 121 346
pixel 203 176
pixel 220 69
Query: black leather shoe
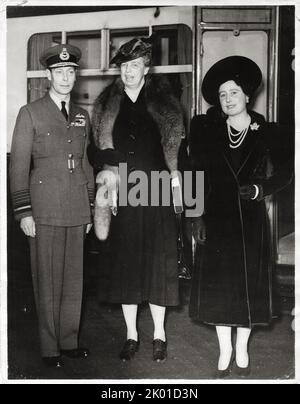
pixel 129 349
pixel 77 353
pixel 52 361
pixel 242 372
pixel 159 350
pixel 221 374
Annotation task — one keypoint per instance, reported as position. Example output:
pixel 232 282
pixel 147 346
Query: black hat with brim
pixel 240 69
pixel 135 48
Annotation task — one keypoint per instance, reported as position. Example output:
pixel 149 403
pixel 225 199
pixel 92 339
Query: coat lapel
pixel 253 136
pixel 72 112
pixel 251 140
pixel 224 146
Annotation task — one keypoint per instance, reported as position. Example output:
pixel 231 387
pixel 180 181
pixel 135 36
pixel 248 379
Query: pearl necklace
pixel 236 139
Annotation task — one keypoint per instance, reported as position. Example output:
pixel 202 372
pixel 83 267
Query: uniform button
pixel 69 141
pixel 70 155
pixel 132 137
pixel 40 181
pixel 71 171
pixel 48 134
pixel 68 126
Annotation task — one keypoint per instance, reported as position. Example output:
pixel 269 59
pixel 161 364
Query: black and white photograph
pixel 148 194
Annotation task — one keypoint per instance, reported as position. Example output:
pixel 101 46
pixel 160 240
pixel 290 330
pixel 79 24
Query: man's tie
pixel 63 110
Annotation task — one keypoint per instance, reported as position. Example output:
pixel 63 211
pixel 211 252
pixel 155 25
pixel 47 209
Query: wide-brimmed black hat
pixel 60 56
pixel 133 49
pixel 238 68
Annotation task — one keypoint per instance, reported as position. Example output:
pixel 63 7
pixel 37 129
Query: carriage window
pixel 220 44
pixel 36 45
pixel 172 56
pixel 88 42
pixel 172 45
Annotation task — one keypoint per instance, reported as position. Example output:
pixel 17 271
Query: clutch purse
pixel 183 269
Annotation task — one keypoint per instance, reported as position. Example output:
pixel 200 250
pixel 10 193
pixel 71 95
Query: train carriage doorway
pixel 266 35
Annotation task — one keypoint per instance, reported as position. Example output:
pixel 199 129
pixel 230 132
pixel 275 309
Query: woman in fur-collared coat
pixel 138 121
pixel 245 160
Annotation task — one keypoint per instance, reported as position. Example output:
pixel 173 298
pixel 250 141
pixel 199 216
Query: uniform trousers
pixel 57 272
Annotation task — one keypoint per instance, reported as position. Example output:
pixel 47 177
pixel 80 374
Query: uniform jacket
pixel 233 280
pixel 50 176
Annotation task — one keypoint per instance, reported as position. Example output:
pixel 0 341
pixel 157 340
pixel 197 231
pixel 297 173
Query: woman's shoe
pixel 129 349
pixel 242 372
pixel 221 374
pixel 159 350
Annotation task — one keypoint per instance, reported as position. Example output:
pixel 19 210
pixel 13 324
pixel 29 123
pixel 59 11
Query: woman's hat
pixel 133 49
pixel 238 68
pixel 60 56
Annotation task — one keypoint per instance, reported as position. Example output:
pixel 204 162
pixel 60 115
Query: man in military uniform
pixel 53 202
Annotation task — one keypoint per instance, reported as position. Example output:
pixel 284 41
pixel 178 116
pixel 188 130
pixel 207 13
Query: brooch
pixel 254 126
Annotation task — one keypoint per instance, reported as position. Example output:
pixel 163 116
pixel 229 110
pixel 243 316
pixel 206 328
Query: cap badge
pixel 64 55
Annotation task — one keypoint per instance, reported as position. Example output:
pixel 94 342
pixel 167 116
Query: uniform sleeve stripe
pixel 21 201
pixel 21 206
pixel 22 192
pixel 91 193
pixel 20 198
pixel 28 207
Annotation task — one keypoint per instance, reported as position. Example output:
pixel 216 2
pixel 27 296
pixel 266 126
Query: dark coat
pixel 162 106
pixel 51 192
pixel 142 244
pixel 233 280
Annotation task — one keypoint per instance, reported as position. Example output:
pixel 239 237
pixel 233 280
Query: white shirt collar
pixel 58 101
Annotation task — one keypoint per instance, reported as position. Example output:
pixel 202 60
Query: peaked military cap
pixel 133 49
pixel 238 68
pixel 61 56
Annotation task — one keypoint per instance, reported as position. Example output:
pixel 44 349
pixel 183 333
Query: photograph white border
pixel 3 172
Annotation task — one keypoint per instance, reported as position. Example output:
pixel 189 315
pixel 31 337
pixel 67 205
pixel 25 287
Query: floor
pixel 192 347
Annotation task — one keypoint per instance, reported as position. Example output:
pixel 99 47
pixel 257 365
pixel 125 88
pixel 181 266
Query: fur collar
pixel 162 105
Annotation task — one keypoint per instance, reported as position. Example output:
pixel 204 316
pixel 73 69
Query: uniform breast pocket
pixel 79 139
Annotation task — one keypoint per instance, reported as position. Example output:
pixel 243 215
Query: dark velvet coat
pixel 233 279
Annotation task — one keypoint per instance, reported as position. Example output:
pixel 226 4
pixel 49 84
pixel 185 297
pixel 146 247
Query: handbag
pixel 183 269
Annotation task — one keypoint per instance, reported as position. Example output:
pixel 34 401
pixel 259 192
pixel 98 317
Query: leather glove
pixel 249 192
pixel 199 230
pixel 177 195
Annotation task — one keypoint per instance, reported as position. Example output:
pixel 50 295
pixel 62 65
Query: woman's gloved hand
pixel 250 192
pixel 199 230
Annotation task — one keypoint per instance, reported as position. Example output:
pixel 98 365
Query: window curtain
pixel 37 44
